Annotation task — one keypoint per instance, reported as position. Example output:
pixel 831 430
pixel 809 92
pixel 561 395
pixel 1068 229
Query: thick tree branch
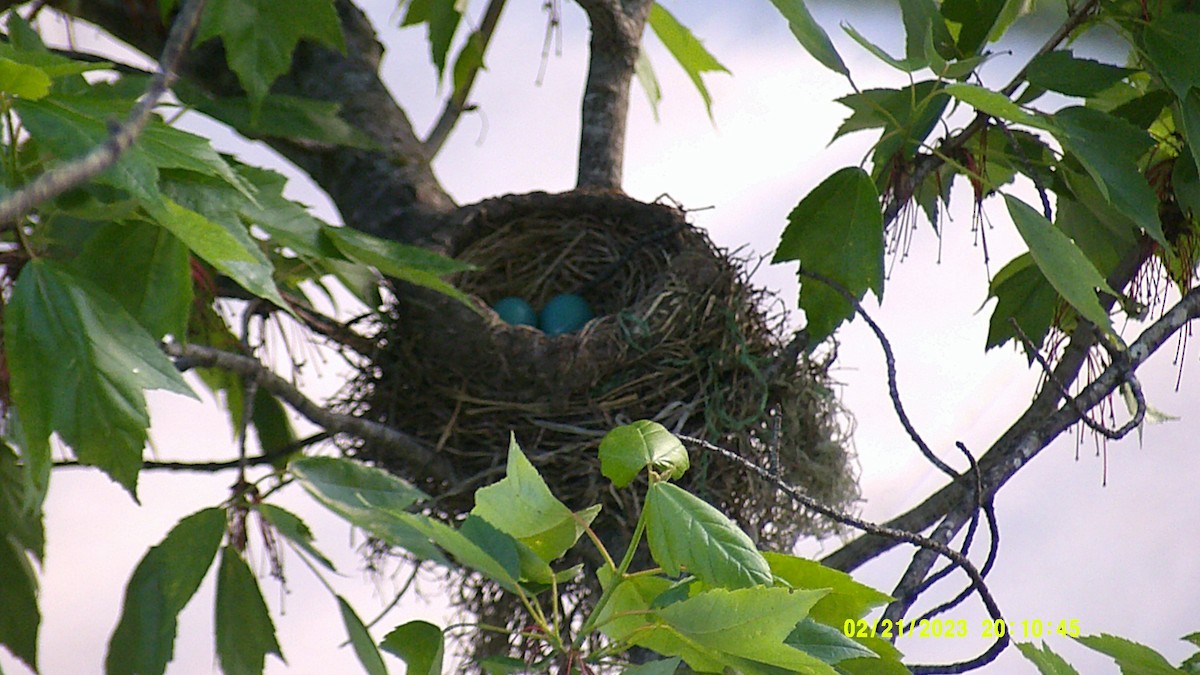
pixel 617 27
pixel 424 460
pixel 77 172
pixel 389 191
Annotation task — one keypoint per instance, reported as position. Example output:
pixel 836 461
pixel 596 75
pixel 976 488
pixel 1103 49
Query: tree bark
pixel 617 27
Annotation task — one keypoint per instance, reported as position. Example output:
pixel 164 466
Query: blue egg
pixel 564 313
pixel 515 311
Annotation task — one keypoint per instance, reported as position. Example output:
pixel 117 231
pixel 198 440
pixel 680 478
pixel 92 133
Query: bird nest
pixel 680 337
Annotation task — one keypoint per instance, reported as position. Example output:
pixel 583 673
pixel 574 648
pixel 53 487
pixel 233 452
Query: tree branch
pixel 77 172
pixel 617 27
pixel 458 99
pixel 423 458
pixel 389 191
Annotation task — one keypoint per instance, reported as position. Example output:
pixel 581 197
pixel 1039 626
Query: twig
pixel 458 98
pixel 890 359
pixel 926 543
pixel 213 467
pixel 77 172
pixel 1139 412
pixel 421 456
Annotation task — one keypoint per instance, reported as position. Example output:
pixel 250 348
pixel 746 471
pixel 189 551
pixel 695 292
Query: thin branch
pixel 458 98
pixel 420 455
pixel 925 543
pixel 1008 453
pixel 213 467
pixel 890 359
pixel 77 172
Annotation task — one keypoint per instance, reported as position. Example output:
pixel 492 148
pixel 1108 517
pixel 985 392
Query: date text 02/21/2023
pixel 958 628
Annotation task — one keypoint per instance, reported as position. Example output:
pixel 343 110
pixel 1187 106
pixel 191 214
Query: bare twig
pixel 77 172
pixel 458 98
pixel 929 545
pixel 890 358
pixel 421 456
pixel 213 467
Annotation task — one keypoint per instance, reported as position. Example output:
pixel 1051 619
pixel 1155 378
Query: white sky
pixel 1117 558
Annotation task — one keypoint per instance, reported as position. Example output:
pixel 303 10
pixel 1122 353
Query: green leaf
pixel 1061 71
pixel 364 647
pixel 259 36
pixel 744 628
pixel 626 450
pixel 413 264
pixel 835 231
pixel 350 487
pixel 244 632
pixel 79 365
pixel 282 116
pixel 629 605
pixel 1047 662
pixel 210 228
pixel 1063 264
pixel 1188 120
pixel 288 223
pixel 925 32
pixel 907 65
pixel 660 667
pixel 442 18
pixel 846 598
pixel 687 50
pixel 996 104
pixel 522 506
pixel 644 71
pixel 685 532
pixel 971 21
pixel 153 282
pixel 294 530
pixel 826 643
pixel 1133 658
pixel 1110 149
pixel 811 36
pixel 502 665
pixel 468 62
pixel 1171 46
pixel 20 620
pixel 20 522
pixel 23 81
pixel 420 644
pixel 478 546
pixel 163 583
pixel 1022 293
pixel 66 127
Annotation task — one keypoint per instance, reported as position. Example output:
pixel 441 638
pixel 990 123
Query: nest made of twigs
pixel 681 337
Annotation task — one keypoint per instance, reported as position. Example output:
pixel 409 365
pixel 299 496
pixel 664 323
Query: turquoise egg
pixel 564 313
pixel 515 311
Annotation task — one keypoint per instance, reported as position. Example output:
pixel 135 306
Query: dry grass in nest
pixel 680 337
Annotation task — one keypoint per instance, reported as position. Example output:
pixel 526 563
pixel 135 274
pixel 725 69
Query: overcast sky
pixel 1119 558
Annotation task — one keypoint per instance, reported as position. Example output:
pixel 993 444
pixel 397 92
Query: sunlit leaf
pixel 24 81
pixel 644 72
pixel 686 532
pixel 1129 655
pixel 1047 662
pixel 627 449
pixel 846 598
pixel 996 104
pixel 522 506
